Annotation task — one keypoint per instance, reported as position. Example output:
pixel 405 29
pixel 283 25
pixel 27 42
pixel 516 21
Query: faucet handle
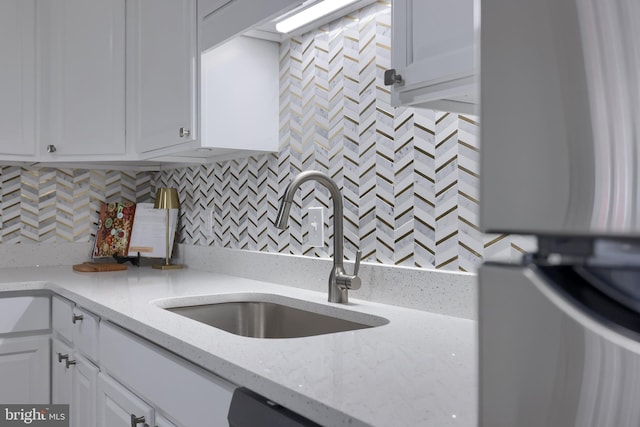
pixel 356 282
pixel 356 268
pixel 346 281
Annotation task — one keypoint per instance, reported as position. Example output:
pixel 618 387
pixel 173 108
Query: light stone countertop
pixel 418 370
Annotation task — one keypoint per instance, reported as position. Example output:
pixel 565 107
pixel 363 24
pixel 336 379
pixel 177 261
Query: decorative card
pixel 114 229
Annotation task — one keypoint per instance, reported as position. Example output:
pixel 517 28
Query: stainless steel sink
pixel 268 319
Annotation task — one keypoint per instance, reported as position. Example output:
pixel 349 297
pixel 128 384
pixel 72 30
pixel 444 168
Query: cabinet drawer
pixel 162 378
pixel 85 332
pixel 19 314
pixel 61 314
pixel 76 326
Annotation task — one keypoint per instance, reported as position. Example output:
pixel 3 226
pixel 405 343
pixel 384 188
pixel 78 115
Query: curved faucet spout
pixel 336 197
pixel 339 282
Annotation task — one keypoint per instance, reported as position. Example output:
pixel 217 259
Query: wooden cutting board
pixel 93 267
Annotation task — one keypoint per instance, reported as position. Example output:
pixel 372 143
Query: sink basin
pixel 258 318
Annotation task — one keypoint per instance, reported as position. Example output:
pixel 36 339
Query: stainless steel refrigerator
pixel 560 157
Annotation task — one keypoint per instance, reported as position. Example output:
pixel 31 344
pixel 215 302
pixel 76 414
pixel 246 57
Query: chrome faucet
pixel 339 281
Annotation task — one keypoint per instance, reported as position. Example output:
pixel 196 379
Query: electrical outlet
pixel 316 227
pixel 208 223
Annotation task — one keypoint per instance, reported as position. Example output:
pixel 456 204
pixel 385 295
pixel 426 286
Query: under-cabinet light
pixel 310 14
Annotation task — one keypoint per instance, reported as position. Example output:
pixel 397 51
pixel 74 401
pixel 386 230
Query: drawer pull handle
pixel 137 420
pixel 62 357
pixel 76 317
pixel 70 362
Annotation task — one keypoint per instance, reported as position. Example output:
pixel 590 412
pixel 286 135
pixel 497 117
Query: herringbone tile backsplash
pixel 409 177
pixel 58 205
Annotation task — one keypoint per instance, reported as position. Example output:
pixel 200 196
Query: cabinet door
pixel 61 376
pixel 61 318
pixel 82 78
pixel 118 407
pixel 24 369
pixel 17 77
pixel 162 65
pixel 84 396
pixel 433 51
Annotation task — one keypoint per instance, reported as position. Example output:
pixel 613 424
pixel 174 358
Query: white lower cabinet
pixel 24 360
pixel 76 326
pixel 84 394
pixel 61 378
pixel 107 375
pixel 74 355
pixel 24 367
pixel 74 381
pixel 118 407
pixel 163 380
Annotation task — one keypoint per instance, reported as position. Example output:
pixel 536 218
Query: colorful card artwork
pixel 114 229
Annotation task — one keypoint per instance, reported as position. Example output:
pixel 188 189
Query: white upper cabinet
pixel 433 54
pixel 238 85
pixel 240 96
pixel 81 79
pixel 17 78
pixel 162 59
pixel 119 80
